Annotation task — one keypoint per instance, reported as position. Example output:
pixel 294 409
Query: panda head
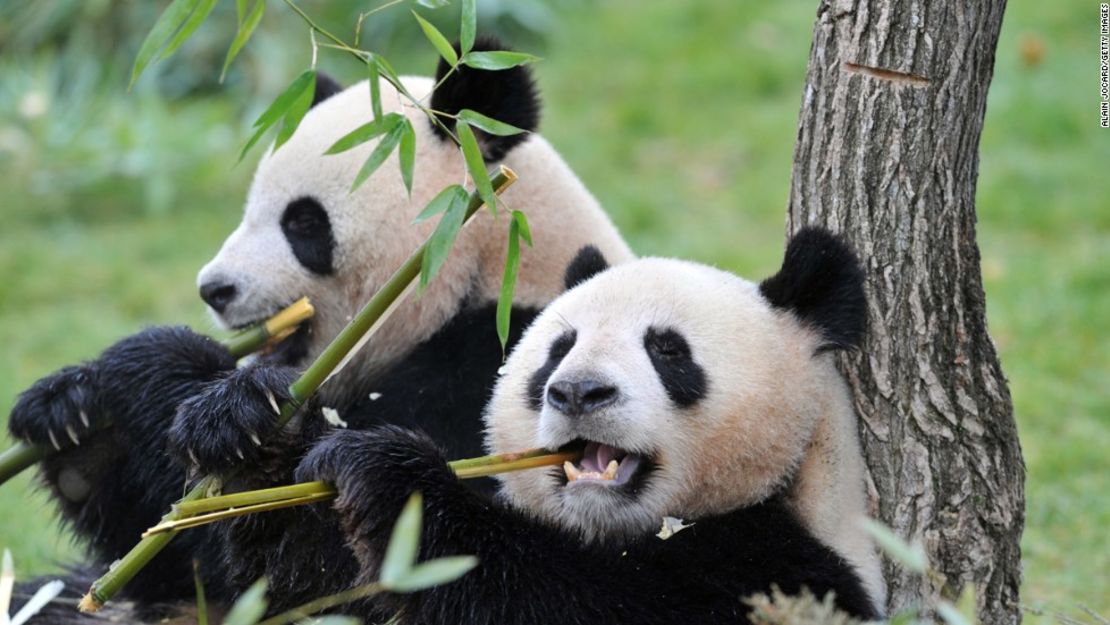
pixel 691 391
pixel 305 233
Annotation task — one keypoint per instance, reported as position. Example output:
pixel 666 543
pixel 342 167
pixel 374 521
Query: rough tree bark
pixel 887 154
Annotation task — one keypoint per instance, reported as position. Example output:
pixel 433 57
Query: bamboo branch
pixel 21 456
pixel 202 512
pixel 349 339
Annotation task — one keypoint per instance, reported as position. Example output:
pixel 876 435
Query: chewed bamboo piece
pixel 21 456
pixel 189 514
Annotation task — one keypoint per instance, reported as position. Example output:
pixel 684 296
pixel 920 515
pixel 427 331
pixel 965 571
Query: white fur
pixel 773 409
pixel 374 231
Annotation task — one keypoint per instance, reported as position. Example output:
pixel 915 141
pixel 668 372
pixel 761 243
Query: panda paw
pixel 375 472
pixel 228 424
pixel 58 411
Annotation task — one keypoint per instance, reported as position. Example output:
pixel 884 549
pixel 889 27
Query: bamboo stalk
pixel 22 456
pixel 196 513
pixel 379 306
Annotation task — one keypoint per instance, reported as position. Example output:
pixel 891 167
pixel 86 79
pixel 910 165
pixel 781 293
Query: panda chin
pixel 607 467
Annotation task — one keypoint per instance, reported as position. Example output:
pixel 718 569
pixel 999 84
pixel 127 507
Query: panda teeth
pixel 572 471
pixel 610 471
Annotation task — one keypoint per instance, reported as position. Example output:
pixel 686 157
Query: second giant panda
pixel 179 406
pixel 693 394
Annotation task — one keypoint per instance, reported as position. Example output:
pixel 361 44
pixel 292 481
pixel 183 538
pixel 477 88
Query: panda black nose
pixel 217 294
pixel 576 399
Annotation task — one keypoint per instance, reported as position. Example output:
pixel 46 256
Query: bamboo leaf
pixel 246 29
pixel 387 70
pixel 525 229
pixel 202 602
pixel 910 556
pixel 167 24
pixel 294 116
pixel 434 573
pixel 497 60
pixel 381 151
pixel 280 106
pixel 433 4
pixel 332 619
pixel 476 165
pixel 404 543
pixel 439 42
pixel 375 89
pixel 204 7
pixel 439 203
pixel 250 606
pixel 447 230
pixel 406 154
pixel 508 284
pixel 488 124
pixel 361 135
pixel 468 26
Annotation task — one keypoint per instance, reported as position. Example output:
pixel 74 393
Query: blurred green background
pixel 681 117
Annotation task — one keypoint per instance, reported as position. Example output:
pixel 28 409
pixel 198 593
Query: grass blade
pixel 167 24
pixel 250 606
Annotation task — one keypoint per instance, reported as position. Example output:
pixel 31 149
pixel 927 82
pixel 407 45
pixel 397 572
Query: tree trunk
pixel 887 154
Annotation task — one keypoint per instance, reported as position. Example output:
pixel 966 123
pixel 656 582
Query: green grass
pixel 681 117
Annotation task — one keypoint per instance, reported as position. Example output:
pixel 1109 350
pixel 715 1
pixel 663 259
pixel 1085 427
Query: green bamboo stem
pixel 22 456
pixel 18 457
pixel 204 511
pixel 301 390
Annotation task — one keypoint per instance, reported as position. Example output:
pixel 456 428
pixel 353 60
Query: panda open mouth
pixel 607 466
pixel 289 351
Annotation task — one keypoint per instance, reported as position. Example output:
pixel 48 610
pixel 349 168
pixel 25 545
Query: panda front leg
pixel 108 419
pixel 528 571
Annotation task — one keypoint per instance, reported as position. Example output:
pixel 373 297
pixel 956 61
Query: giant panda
pixel 693 394
pixel 178 405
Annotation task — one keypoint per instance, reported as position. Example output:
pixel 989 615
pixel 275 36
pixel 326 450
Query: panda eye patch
pixel 559 350
pixel 670 355
pixel 307 228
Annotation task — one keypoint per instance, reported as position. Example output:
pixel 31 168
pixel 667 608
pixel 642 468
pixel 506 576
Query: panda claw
pixel 54 440
pixel 73 435
pixel 273 402
pixel 254 438
pixel 84 418
pixel 239 452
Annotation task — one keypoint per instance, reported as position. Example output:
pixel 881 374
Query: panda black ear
pixel 326 87
pixel 507 95
pixel 586 264
pixel 822 283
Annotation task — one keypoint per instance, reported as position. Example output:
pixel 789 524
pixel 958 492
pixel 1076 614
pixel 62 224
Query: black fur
pixel 168 391
pixel 136 384
pixel 326 87
pixel 507 95
pixel 307 228
pixel 224 425
pixel 555 355
pixel 682 377
pixel 530 572
pixel 586 264
pixel 821 282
